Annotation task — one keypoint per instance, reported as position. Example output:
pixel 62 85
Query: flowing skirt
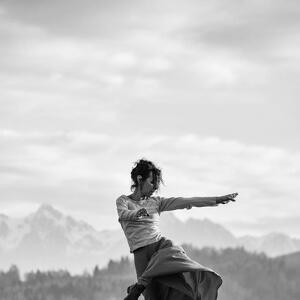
pixel 172 275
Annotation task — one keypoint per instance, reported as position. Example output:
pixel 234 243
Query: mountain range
pixel 50 240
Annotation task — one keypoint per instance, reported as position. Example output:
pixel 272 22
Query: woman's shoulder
pixel 122 198
pixel 157 198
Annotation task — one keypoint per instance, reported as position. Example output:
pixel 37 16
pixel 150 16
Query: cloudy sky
pixel 207 90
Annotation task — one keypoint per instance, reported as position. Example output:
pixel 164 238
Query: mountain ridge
pixel 48 239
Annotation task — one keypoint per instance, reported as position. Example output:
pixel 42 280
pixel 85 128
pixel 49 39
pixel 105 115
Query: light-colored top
pixel 142 231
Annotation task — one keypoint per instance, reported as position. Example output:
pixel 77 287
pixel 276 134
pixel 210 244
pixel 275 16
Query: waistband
pixel 149 245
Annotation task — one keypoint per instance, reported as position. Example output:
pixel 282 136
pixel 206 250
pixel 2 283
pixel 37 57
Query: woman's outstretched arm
pixel 173 203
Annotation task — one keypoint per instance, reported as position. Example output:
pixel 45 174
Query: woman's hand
pixel 142 213
pixel 225 199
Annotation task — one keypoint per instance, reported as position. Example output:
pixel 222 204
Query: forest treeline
pixel 246 276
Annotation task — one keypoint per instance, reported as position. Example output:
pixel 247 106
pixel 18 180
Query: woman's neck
pixel 136 196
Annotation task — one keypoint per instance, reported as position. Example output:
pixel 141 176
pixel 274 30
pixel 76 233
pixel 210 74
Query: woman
pixel 163 269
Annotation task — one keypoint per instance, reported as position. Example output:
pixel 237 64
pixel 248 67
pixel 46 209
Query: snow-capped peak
pixel 2 216
pixel 48 225
pixel 46 210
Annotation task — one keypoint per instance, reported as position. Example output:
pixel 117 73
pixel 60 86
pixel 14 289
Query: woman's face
pixel 148 186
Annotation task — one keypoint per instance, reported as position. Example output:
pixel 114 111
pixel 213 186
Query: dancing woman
pixel 163 269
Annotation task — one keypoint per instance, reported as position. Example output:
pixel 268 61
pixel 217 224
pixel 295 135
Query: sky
pixel 207 90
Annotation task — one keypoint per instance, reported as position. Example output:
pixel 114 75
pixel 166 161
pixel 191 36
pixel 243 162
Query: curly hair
pixel 143 167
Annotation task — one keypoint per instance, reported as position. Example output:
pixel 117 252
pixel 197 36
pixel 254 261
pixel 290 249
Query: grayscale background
pixel 207 90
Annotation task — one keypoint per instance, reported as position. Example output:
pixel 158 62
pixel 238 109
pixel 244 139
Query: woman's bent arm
pixel 124 213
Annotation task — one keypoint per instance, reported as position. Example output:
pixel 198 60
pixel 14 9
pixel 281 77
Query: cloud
pixel 222 38
pixel 154 58
pixel 253 28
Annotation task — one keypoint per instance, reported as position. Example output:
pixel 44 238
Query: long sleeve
pixel 123 211
pixel 173 203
